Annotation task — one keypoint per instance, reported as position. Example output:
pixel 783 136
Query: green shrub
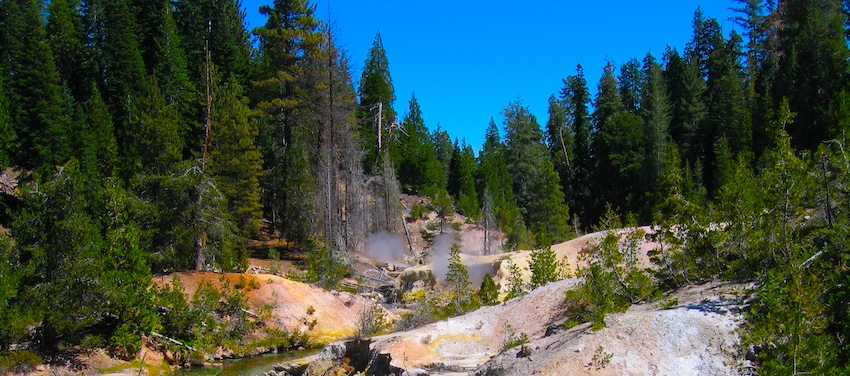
pixel 20 361
pixel 513 339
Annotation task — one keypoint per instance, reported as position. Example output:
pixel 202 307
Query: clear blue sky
pixel 467 59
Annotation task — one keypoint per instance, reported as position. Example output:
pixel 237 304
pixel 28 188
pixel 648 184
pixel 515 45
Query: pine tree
pixel 813 68
pixel 576 98
pixel 560 140
pixel 376 87
pixel 124 79
pixel 414 155
pixel 457 279
pixel 156 145
pixel 161 49
pixel 496 185
pixel 445 148
pixel 7 133
pixel 39 114
pixel 219 27
pixel 289 39
pixel 544 267
pixel 488 293
pixel 235 161
pixel 462 181
pixel 104 145
pixel 536 185
pixel 655 111
pixel 630 80
pixel 65 34
pixel 686 89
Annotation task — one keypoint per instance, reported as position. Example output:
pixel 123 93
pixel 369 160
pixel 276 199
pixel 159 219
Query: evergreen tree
pixel 124 79
pixel 287 41
pixel 655 111
pixel 376 87
pixel 161 49
pixel 235 161
pixel 576 98
pixel 103 143
pixel 39 114
pixel 462 180
pixel 219 27
pixel 65 34
pixel 7 133
pixel 686 89
pixel 419 170
pixel 630 81
pixel 156 145
pixel 544 267
pixel 488 293
pixel 536 185
pixel 445 148
pixel 81 273
pixel 457 279
pixel 497 186
pixel 813 67
pixel 560 140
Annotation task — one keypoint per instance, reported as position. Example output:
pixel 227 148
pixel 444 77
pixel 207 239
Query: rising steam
pixel 384 247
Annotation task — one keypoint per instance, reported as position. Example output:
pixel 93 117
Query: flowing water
pixel 255 365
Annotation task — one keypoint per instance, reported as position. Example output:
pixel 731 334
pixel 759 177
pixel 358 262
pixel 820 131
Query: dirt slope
pixel 337 314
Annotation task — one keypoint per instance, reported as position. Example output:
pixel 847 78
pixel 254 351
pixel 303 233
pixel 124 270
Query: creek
pixel 255 365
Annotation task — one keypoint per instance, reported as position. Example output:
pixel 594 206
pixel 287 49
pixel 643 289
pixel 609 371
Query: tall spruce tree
pixel 414 155
pixel 288 39
pixel 630 80
pixel 655 111
pixel 462 180
pixel 813 68
pixel 40 111
pixel 576 98
pixel 536 184
pixel 235 162
pixel 496 188
pixel 376 87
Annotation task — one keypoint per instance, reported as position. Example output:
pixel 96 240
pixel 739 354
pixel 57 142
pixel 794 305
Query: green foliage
pixel 613 280
pixel 457 279
pixel 82 268
pixel 376 86
pixel 544 267
pixel 536 184
pixel 488 293
pixel 19 361
pixel 415 156
pixel 462 180
pixel 513 339
pixel 185 221
pixel 326 267
pixel 419 211
pixel 516 286
pixel 497 189
pixel 214 317
pixel 235 161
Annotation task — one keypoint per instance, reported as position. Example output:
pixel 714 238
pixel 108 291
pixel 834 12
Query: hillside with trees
pixel 145 137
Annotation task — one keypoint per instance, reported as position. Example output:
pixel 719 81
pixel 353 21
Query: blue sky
pixel 467 59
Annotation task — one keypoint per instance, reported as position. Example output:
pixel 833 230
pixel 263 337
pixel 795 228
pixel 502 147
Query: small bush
pixel 419 211
pixel 22 361
pixel 513 339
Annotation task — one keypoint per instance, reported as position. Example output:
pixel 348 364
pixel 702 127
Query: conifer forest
pixel 144 137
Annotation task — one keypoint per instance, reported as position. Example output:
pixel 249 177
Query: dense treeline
pixel 158 136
